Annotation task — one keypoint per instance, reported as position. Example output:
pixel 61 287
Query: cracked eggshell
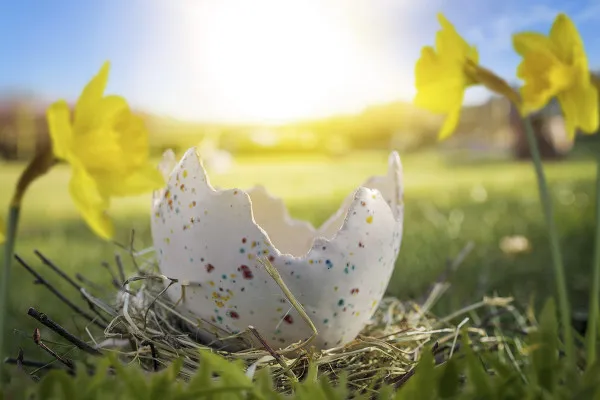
pixel 210 240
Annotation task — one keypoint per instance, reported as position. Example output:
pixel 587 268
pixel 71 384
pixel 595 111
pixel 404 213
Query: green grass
pixel 443 213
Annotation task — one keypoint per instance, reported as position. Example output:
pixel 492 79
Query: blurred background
pixel 307 98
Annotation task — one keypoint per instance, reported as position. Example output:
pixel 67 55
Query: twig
pixel 20 360
pixel 29 363
pixel 89 283
pixel 53 267
pixel 67 278
pixel 37 339
pixel 120 267
pixel 404 378
pixel 99 303
pixel 130 250
pixel 153 352
pixel 171 283
pixel 20 366
pixel 114 279
pixel 44 319
pixel 58 294
pixel 286 369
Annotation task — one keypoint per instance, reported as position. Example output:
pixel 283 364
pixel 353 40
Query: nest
pixel 136 320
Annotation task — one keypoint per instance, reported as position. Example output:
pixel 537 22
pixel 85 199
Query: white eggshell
pixel 339 273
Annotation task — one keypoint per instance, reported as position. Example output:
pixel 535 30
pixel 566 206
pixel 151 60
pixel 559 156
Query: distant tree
pixel 23 129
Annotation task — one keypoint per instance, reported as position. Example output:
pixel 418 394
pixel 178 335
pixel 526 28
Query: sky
pixel 258 61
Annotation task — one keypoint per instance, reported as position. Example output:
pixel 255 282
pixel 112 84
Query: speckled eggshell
pixel 210 238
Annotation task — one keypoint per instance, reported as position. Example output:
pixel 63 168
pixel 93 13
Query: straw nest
pixel 143 325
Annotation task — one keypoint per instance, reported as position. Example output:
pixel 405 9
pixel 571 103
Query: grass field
pixel 448 204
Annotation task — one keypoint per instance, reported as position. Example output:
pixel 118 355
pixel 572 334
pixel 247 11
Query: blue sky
pixel 260 60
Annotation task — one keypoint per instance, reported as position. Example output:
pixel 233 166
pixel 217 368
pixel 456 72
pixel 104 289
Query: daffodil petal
pixel 588 110
pixel 535 70
pixel 449 43
pixel 450 123
pixel 580 109
pixel 133 139
pixel 90 97
pixel 90 203
pixel 427 67
pixel 118 140
pixel 99 151
pixel 566 40
pixel 110 110
pixel 569 109
pixel 141 181
pixel 441 97
pixel 61 131
pixel 525 42
pixel 432 78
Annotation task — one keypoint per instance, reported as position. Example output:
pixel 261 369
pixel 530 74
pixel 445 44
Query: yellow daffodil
pixel 556 66
pixel 443 74
pixel 107 148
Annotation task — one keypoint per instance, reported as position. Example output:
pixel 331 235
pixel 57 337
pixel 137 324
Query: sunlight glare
pixel 279 61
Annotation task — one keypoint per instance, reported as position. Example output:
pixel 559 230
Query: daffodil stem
pixel 592 327
pixel 557 260
pixel 9 249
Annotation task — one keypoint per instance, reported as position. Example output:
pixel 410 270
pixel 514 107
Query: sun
pixel 275 61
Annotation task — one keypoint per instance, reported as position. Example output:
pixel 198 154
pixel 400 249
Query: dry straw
pixel 143 325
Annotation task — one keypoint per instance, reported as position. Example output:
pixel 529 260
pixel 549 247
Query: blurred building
pixel 23 128
pixel 495 127
pixel 549 129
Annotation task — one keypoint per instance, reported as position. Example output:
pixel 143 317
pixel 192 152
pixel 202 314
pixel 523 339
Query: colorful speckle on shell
pixel 338 272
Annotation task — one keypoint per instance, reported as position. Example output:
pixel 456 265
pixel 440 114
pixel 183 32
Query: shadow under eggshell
pixel 214 239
